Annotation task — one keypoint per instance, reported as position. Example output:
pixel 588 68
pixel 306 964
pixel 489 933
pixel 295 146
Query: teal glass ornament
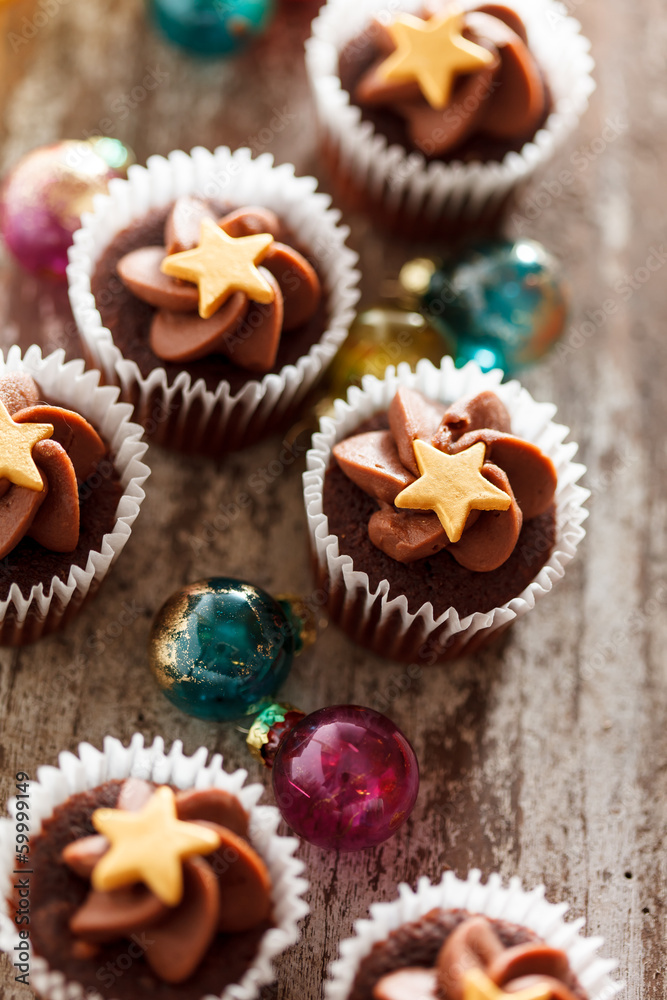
pixel 502 303
pixel 211 27
pixel 220 648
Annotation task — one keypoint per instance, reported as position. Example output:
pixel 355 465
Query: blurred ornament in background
pixel 500 303
pixel 383 335
pixel 44 195
pixel 386 334
pixel 220 648
pixel 212 27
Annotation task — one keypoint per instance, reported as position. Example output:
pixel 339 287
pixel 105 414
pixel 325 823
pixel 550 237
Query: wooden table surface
pixel 545 758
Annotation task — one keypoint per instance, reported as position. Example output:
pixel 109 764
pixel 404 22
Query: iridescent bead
pixel 345 778
pixel 220 648
pixel 501 303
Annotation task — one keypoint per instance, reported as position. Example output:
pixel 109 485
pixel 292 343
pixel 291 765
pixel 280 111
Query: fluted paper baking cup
pixel 404 184
pixel 182 413
pixel 25 619
pixel 491 899
pixel 374 618
pixel 92 767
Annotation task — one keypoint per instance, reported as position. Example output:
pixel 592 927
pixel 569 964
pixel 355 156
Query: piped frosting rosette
pixel 93 426
pixel 374 617
pixel 403 187
pixel 494 901
pixel 194 322
pixel 178 411
pixel 200 788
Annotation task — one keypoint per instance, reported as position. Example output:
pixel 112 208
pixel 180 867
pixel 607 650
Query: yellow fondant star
pixel 478 986
pixel 452 486
pixel 432 53
pixel 16 444
pixel 149 846
pixel 221 265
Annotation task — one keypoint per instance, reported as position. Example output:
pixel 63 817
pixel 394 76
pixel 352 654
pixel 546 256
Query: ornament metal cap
pixel 268 729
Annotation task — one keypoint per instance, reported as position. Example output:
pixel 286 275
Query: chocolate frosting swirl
pixel 505 100
pixel 382 463
pixel 245 331
pixel 226 891
pixel 64 461
pixel 474 945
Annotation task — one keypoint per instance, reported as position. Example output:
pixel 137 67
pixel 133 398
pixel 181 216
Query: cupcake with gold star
pixel 71 479
pixel 470 940
pixel 441 506
pixel 434 114
pixel 148 874
pixel 214 289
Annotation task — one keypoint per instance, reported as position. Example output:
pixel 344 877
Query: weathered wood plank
pixel 546 757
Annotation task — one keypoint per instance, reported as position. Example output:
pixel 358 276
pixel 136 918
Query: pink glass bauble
pixel 345 778
pixel 42 198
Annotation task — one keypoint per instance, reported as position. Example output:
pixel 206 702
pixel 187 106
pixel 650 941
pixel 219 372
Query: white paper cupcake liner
pixel 183 413
pixel 24 619
pixel 491 899
pixel 403 184
pixel 384 623
pixel 93 767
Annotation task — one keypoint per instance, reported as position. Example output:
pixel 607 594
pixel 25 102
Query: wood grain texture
pixel 546 757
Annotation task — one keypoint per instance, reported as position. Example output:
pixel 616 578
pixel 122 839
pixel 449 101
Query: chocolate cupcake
pixel 441 505
pixel 214 289
pixel 148 874
pixel 70 491
pixel 464 940
pixel 433 115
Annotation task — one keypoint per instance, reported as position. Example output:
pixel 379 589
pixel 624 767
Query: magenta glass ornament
pixel 345 778
pixel 43 196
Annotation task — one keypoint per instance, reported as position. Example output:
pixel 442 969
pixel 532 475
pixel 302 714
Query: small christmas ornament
pixel 220 648
pixel 44 195
pixel 212 27
pixel 345 777
pixel 385 334
pixel 381 336
pixel 500 303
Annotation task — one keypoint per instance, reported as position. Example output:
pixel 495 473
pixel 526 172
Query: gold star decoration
pixel 452 486
pixel 478 986
pixel 16 444
pixel 221 265
pixel 149 846
pixel 432 53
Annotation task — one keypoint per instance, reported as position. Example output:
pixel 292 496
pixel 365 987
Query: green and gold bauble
pixel 221 648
